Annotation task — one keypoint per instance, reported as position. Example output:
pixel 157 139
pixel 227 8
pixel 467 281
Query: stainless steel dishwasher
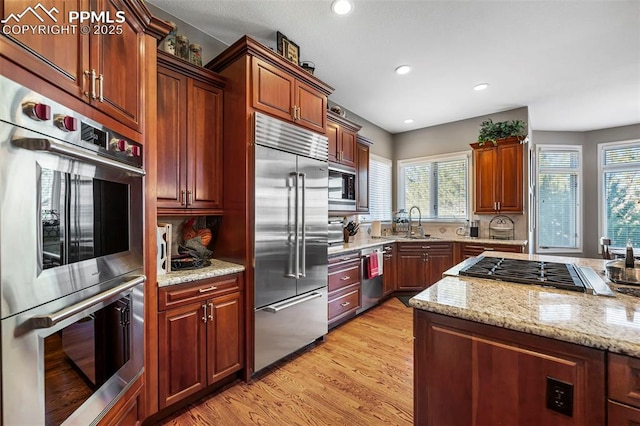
pixel 371 287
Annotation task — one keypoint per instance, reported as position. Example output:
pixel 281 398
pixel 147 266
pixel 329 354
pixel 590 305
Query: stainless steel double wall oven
pixel 71 277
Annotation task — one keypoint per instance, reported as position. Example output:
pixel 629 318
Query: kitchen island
pixel 491 352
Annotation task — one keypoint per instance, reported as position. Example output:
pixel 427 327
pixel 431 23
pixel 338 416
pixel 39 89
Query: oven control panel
pixel 52 119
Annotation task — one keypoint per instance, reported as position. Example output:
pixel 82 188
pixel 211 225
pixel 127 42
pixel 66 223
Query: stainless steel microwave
pixel 342 188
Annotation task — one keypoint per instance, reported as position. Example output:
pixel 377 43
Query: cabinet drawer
pixel 177 295
pixel 623 415
pixel 342 277
pixel 624 379
pixel 476 249
pixel 345 303
pixel 425 246
pixel 345 257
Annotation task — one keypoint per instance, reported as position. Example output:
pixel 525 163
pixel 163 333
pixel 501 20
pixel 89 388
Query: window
pixel 620 192
pixel 439 186
pixel 379 189
pixel 559 206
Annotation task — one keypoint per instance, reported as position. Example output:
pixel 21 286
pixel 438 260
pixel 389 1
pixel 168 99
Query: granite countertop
pixel 607 323
pixel 361 242
pixel 217 268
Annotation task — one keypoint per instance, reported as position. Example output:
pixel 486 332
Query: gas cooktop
pixel 558 275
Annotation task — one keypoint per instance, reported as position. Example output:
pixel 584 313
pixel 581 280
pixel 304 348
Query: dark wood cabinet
pixel 389 269
pixel 499 177
pixel 486 375
pixel 342 139
pixel 363 146
pixel 623 390
pixel 200 336
pixel 189 138
pixel 421 264
pixel 344 287
pixel 473 249
pixel 106 70
pixel 280 94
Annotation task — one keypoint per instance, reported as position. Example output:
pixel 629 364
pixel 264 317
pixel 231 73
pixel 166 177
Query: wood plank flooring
pixel 361 375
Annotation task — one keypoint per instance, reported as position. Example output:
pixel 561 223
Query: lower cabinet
pixel 344 287
pixel 623 406
pixel 389 275
pixel 421 264
pixel 200 339
pixel 485 375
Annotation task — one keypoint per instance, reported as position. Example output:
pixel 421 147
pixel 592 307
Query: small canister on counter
pixel 182 47
pixel 195 52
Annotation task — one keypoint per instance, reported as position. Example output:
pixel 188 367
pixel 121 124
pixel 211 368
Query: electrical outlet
pixel 560 396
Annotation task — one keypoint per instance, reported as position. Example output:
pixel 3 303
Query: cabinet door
pixel 312 106
pixel 171 147
pixel 273 90
pixel 362 179
pixel 348 148
pixel 62 58
pixel 118 58
pixel 411 271
pixel 622 415
pixel 389 260
pixel 485 163
pixel 509 170
pixel 438 262
pixel 182 356
pixel 333 133
pixel 224 337
pixel 204 149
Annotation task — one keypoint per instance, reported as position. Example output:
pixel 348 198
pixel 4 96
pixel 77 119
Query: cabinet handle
pixel 208 289
pixel 92 75
pixel 204 310
pixel 210 311
pixel 426 247
pixel 343 304
pixel 498 205
pixel 100 88
pixel 346 277
pixel 189 197
pixel 299 114
pixel 183 199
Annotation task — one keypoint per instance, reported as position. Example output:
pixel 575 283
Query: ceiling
pixel 574 64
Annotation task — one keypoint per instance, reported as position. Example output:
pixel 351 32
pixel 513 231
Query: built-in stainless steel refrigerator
pixel 290 247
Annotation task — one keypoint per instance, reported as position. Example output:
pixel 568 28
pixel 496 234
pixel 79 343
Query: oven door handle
pixel 47 321
pixel 37 144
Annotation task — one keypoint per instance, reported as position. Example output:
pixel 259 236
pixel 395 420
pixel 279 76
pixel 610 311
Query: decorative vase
pixel 195 54
pixel 169 43
pixel 182 47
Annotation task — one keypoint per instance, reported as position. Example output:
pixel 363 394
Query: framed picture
pixel 280 42
pixel 291 51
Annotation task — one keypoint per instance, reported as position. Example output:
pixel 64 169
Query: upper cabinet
pixel 363 146
pixel 342 139
pixel 189 138
pixel 281 94
pixel 499 177
pixel 98 62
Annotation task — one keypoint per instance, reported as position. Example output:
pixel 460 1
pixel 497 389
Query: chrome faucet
pixel 420 231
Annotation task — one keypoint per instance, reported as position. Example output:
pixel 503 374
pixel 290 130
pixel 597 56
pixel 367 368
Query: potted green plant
pixel 492 132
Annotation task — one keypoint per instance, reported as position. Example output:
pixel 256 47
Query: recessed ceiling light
pixel 480 86
pixel 342 7
pixel 403 69
pixel 408 121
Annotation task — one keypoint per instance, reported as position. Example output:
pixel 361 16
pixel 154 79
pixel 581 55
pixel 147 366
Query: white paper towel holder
pixel 376 229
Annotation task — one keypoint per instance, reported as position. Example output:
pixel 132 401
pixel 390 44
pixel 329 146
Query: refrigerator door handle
pixel 297 224
pixel 292 272
pixel 277 307
pixel 303 255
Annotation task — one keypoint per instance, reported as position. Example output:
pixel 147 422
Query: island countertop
pixel 607 323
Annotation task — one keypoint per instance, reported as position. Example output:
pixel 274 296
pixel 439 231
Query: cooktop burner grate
pixel 558 275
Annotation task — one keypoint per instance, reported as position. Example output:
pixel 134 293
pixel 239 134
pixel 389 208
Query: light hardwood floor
pixel 361 375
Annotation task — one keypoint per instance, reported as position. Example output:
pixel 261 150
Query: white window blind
pixel 559 208
pixel 620 164
pixel 437 185
pixel 379 189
